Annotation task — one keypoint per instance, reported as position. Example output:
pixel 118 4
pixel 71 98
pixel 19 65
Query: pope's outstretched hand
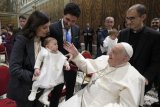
pixel 70 48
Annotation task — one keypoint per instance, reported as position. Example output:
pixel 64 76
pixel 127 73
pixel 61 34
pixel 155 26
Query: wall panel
pixel 95 11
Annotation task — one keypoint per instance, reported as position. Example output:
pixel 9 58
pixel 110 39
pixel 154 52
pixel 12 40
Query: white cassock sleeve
pixel 125 100
pixel 90 65
pixel 131 96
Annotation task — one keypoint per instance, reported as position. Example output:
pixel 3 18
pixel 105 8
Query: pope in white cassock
pixel 115 83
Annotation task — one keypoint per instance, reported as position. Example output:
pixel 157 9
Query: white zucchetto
pixel 128 48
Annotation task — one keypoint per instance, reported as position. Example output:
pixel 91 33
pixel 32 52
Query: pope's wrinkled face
pixel 69 20
pixel 117 56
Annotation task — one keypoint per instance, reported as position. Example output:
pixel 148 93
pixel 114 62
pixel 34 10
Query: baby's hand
pixel 67 68
pixel 36 72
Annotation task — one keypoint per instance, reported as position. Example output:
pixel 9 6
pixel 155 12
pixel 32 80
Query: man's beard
pixel 155 27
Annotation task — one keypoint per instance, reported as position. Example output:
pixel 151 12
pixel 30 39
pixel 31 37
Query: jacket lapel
pixel 30 51
pixel 60 29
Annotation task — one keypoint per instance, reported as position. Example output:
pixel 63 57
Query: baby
pixel 48 70
pixel 109 41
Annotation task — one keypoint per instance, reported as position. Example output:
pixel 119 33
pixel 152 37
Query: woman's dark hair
pixel 35 20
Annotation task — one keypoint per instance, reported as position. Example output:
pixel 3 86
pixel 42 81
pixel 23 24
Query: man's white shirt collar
pixel 64 30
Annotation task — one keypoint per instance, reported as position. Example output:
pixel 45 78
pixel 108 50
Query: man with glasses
pixel 145 42
pixel 66 30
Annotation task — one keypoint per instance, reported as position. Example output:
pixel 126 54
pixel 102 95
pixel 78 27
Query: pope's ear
pixel 143 16
pixel 126 58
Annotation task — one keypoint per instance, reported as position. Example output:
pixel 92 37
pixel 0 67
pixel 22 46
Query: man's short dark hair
pixel 22 17
pixel 155 19
pixel 73 9
pixel 140 8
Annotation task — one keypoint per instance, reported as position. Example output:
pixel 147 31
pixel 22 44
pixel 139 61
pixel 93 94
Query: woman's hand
pixel 36 74
pixel 67 68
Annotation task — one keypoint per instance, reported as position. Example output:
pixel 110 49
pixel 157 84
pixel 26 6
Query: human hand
pixel 69 56
pixel 146 81
pixel 36 72
pixel 34 78
pixel 70 48
pixel 67 68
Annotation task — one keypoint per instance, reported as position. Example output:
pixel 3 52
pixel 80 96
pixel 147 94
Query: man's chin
pixel 67 27
pixel 155 27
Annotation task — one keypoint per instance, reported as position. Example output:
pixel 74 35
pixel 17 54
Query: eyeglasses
pixel 131 18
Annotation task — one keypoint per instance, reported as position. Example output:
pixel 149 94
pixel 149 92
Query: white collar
pixel 157 30
pixel 63 25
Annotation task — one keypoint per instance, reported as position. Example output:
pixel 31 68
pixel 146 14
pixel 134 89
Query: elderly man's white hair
pixel 109 17
pixel 128 48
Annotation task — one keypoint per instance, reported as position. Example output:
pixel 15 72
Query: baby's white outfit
pixel 108 43
pixel 51 72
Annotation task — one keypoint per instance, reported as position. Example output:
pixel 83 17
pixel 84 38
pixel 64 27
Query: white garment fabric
pixel 116 87
pixel 108 43
pixel 158 29
pixel 37 46
pixel 128 48
pixel 0 40
pixel 51 70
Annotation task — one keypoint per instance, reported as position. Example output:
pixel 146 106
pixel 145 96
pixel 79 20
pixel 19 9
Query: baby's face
pixel 113 36
pixel 53 46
